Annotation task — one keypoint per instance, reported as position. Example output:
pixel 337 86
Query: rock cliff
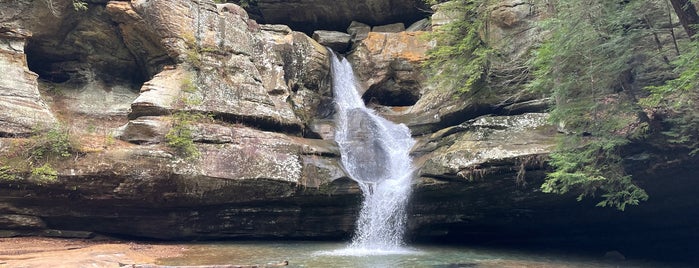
pixel 310 15
pixel 117 76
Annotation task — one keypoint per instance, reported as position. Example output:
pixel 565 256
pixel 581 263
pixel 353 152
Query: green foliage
pixel 52 144
pixel 193 53
pixel 583 65
pixel 7 174
pixel 592 167
pixel 680 96
pixel 460 61
pixel 180 137
pixel 44 174
pixel 37 154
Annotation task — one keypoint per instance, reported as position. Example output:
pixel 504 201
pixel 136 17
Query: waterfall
pixel 375 153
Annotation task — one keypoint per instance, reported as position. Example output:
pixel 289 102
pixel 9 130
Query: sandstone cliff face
pixel 268 167
pixel 23 109
pixel 262 87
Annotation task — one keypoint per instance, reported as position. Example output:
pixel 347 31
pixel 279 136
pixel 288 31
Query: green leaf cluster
pixel 181 134
pixel 50 145
pixel 7 174
pixel 44 174
pixel 461 58
pixel 37 155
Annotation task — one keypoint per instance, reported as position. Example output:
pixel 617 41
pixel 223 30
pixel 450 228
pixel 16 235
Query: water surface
pixel 330 254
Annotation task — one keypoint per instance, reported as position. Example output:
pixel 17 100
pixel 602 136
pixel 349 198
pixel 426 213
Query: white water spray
pixel 375 153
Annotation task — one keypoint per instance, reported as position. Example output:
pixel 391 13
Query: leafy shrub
pixel 44 174
pixel 52 144
pixel 180 137
pixel 6 174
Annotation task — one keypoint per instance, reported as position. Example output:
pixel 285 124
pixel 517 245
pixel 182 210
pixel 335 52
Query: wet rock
pixel 368 153
pixel 337 41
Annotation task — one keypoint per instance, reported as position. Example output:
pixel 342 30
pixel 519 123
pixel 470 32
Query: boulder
pixel 158 96
pixel 421 25
pixel 359 31
pixel 337 41
pixel 143 130
pixel 459 151
pixel 389 28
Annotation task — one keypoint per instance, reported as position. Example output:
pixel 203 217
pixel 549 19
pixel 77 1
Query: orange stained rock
pixel 412 46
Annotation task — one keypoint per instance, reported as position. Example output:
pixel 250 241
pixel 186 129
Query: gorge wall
pixel 117 76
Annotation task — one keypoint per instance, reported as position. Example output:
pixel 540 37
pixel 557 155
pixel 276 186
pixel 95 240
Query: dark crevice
pixel 264 124
pixel 14 135
pixel 390 94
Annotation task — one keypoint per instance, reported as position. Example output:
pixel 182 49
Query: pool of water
pixel 327 254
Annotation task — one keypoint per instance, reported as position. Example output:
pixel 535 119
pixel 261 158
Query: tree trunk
pixel 688 15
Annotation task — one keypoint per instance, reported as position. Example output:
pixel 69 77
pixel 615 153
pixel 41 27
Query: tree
pixel 687 13
pixel 678 98
pixel 586 66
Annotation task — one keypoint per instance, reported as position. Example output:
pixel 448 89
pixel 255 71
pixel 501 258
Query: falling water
pixel 375 153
